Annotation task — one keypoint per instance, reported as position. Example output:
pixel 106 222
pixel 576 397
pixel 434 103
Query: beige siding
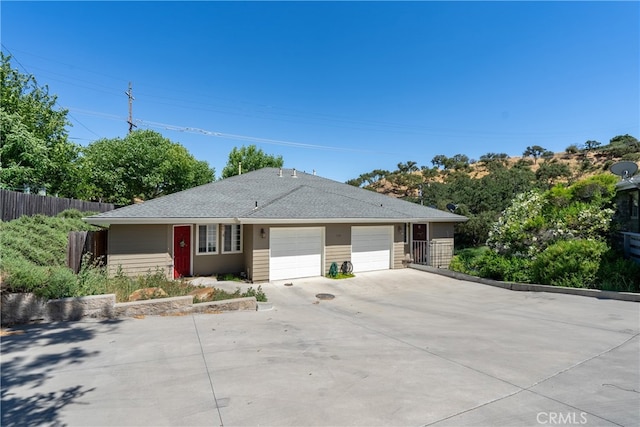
pixel 337 234
pixel 248 237
pixel 209 265
pixel 337 245
pixel 138 249
pixel 140 264
pixel 398 255
pixel 337 254
pixel 398 245
pixel 441 230
pixel 135 239
pixel 260 270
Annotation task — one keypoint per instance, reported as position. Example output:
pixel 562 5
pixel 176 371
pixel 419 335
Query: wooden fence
pixel 83 242
pixel 14 205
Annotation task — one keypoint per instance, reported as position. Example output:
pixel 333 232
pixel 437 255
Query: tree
pixel 548 155
pixel 250 158
pixel 550 172
pixel 439 161
pixel 143 165
pixel 591 144
pixel 534 151
pixel 408 167
pixel 493 161
pixel 34 146
pixel 458 162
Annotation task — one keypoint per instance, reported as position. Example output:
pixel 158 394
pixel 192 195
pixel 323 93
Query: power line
pixel 199 131
pixel 252 139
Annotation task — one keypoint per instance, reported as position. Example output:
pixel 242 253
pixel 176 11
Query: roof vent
pixel 314 172
pixel 280 173
pixel 293 175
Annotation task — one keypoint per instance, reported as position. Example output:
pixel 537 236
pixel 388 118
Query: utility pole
pixel 131 99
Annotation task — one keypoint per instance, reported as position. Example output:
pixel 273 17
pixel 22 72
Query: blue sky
pixel 339 87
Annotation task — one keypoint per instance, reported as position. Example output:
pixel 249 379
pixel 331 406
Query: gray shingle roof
pixel 301 198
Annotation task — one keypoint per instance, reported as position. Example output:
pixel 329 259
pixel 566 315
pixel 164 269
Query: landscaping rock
pixel 203 293
pixel 147 293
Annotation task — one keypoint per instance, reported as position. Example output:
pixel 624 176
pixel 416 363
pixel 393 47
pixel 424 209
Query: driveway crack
pixel 204 359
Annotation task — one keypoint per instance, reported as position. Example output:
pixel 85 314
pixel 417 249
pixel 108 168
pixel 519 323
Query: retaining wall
pixel 593 293
pixel 24 308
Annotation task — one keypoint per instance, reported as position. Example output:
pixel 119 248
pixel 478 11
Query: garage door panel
pixel 371 248
pixel 295 252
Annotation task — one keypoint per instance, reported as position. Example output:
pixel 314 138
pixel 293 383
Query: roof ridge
pixel 272 201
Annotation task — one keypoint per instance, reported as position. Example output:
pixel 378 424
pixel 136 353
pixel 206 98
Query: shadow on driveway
pixel 22 375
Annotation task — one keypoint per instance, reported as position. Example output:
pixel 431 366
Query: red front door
pixel 181 251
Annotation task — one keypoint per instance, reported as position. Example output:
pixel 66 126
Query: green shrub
pixel 466 260
pixel 491 265
pixel 74 214
pixel 257 293
pixel 572 149
pixel 20 275
pixel 458 264
pixel 618 274
pixel 571 263
pixel 62 283
pixel 631 157
pixel 505 268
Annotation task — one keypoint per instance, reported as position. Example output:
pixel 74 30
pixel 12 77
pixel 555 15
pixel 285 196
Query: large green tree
pixel 142 165
pixel 249 159
pixel 34 145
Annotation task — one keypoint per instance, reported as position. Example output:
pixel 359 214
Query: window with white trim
pixel 231 238
pixel 207 239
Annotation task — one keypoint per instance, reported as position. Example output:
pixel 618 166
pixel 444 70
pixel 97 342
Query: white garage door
pixel 371 247
pixel 295 252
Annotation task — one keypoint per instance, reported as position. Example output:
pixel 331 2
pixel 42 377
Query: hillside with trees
pixel 481 189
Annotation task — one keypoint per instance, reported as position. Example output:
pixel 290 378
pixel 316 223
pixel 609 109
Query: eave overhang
pixel 266 221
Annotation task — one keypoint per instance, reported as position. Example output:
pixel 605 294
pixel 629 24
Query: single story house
pixel 274 224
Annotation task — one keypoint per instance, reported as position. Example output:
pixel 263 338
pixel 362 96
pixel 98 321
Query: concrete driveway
pixel 402 347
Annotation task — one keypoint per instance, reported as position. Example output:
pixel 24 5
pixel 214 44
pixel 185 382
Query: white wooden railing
pixel 420 252
pixel 436 253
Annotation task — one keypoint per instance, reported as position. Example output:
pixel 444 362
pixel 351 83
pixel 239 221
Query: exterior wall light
pixel 263 233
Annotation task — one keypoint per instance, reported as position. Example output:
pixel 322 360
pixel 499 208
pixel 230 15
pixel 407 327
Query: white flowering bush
pixel 518 228
pixel 535 220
